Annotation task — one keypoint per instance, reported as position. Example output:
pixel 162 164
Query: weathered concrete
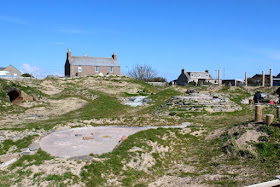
pixel 17 96
pixel 66 144
pixel 269 119
pixel 271 78
pixel 258 113
pixel 263 79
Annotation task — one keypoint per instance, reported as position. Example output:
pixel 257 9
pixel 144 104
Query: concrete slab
pixel 66 143
pixel 102 139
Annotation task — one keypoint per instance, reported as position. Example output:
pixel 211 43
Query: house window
pixel 96 69
pixel 111 69
pixel 80 69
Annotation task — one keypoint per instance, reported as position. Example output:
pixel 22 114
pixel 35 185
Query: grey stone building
pixel 85 65
pixel 197 77
pixel 9 71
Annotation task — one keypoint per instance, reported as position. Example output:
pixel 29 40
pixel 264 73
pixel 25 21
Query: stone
pixel 87 138
pixel 123 138
pixel 78 135
pixel 25 153
pixel 2 133
pixel 34 146
pixel 8 162
pixel 147 100
pixel 24 149
pixel 2 138
pixel 86 157
pixel 6 158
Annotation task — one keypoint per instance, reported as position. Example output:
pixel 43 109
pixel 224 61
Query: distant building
pixel 191 76
pixel 9 71
pixel 233 82
pixel 85 65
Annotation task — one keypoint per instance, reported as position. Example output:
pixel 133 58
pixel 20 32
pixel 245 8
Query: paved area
pixel 86 140
pixel 83 141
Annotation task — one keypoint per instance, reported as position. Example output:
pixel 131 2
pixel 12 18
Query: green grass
pixel 28 160
pixel 21 143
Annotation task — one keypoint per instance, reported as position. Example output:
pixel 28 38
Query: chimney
pixel 114 56
pixel 183 70
pixel 69 54
pixel 207 71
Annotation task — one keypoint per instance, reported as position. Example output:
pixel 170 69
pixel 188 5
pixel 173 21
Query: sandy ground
pixel 48 87
pixel 50 108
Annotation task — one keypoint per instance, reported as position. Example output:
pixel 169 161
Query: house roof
pixel 188 73
pixel 2 68
pixel 92 61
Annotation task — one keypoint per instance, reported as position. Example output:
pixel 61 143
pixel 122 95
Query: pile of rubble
pixel 198 102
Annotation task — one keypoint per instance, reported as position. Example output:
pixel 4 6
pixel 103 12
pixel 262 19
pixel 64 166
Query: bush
pixel 26 75
pixel 156 79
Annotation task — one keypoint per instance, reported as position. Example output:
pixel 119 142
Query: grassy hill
pixel 217 149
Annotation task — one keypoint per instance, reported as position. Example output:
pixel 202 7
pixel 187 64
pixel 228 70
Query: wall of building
pixel 90 70
pixel 182 80
pixel 13 71
pixel 67 68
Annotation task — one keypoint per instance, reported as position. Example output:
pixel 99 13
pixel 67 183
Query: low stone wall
pixel 158 83
pixel 198 102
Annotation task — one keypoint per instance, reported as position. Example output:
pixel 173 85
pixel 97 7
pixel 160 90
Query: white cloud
pixel 34 70
pixel 12 20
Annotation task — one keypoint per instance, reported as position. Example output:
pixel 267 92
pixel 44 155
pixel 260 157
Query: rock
pixel 24 149
pixel 6 158
pixel 78 135
pixel 192 90
pixel 2 138
pixel 132 99
pixel 2 133
pixel 34 147
pixel 86 157
pixel 35 98
pixel 8 162
pixel 87 138
pixel 123 138
pixel 147 100
pixel 25 153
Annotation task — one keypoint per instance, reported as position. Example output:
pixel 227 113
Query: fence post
pixel 258 113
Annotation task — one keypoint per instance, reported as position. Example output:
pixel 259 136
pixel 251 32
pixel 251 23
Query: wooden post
pixel 278 111
pixel 246 81
pixel 269 119
pixel 219 77
pixel 263 79
pixel 235 82
pixel 258 113
pixel 271 78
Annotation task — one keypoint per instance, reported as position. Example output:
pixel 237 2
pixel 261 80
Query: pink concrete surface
pixel 70 143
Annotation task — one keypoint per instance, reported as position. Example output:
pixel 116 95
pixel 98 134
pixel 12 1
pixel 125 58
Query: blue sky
pixel 235 36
